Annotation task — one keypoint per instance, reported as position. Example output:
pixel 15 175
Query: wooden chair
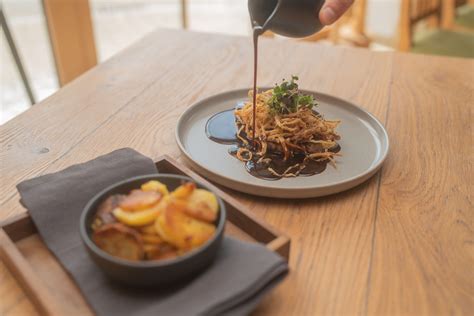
pixel 349 29
pixel 412 12
pixel 438 41
pixel 449 15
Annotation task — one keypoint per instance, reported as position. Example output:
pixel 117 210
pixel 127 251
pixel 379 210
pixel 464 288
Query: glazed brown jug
pixel 292 18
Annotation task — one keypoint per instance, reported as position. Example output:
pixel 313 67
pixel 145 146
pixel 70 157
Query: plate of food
pixel 290 143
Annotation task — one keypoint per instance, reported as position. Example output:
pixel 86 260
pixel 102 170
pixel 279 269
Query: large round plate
pixel 364 143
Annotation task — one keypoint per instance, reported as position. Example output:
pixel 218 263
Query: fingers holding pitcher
pixel 333 10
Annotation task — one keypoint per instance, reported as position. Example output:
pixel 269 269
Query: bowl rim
pixel 87 240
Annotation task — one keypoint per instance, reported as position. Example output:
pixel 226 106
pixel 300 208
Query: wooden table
pixel 402 243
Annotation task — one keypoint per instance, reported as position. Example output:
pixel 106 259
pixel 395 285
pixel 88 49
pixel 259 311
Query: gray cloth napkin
pixel 234 285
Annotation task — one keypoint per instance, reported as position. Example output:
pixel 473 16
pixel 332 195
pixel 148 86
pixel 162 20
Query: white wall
pixel 382 17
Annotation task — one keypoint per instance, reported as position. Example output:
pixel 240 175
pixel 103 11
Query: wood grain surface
pixel 399 244
pixel 423 241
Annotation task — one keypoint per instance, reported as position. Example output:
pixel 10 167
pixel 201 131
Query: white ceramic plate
pixel 364 144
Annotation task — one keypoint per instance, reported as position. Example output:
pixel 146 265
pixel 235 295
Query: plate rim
pixel 368 172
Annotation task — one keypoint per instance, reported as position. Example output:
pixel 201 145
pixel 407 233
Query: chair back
pixel 421 9
pixel 412 12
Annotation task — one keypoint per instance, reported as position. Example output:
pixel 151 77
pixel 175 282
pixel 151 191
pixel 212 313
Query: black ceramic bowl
pixel 150 273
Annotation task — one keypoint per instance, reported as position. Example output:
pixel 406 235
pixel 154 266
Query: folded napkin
pixel 234 285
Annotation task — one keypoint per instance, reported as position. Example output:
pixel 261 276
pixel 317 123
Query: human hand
pixel 333 10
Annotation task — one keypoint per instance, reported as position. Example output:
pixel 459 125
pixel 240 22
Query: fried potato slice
pixel 181 230
pixel 184 190
pixel 135 219
pixel 151 251
pixel 148 248
pixel 139 200
pixel 155 186
pixel 149 229
pixel 152 239
pixel 119 241
pixel 104 211
pixel 202 205
pixel 160 252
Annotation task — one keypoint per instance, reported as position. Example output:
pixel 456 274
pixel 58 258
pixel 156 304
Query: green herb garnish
pixel 287 99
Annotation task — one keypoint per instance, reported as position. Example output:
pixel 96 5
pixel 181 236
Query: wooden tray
pixel 51 289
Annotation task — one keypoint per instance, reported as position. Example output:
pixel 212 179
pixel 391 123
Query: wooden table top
pixel 402 243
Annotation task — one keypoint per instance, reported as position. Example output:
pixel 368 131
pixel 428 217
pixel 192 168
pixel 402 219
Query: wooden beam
pixel 404 29
pixel 448 10
pixel 184 14
pixel 359 15
pixel 72 37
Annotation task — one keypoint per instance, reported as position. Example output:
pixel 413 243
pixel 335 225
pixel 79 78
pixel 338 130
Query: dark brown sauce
pixel 257 31
pixel 221 128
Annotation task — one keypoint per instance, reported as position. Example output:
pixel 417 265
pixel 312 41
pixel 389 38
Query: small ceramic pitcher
pixel 292 18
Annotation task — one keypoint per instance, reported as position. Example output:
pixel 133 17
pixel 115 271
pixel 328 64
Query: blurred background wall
pixel 119 23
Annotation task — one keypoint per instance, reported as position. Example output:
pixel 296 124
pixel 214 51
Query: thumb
pixel 332 10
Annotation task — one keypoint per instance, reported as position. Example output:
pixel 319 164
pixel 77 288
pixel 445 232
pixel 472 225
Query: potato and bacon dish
pixel 151 223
